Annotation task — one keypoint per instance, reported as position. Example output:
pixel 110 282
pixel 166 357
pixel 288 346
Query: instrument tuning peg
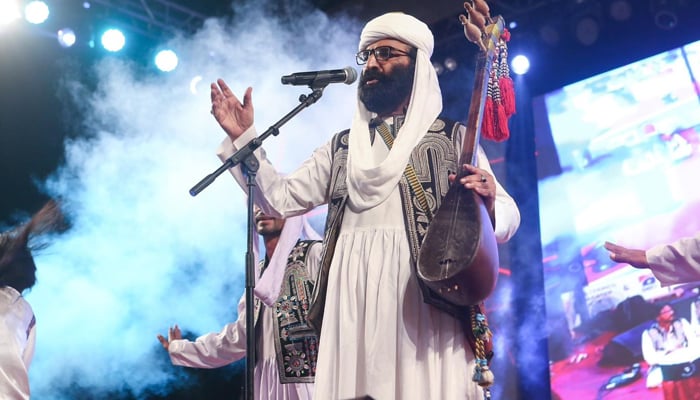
pixel 483 8
pixel 472 32
pixel 475 17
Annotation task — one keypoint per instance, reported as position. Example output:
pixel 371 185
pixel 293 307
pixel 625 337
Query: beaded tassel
pixel 483 375
pixel 504 80
pixel 487 119
pixel 500 120
pixel 500 97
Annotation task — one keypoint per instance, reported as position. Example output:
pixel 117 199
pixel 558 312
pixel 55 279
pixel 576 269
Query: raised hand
pixel 233 116
pixel 634 257
pixel 173 334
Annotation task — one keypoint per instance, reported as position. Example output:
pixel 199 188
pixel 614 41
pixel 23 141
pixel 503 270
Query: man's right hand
pixel 233 116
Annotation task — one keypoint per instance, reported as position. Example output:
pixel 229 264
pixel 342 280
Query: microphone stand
pixel 250 164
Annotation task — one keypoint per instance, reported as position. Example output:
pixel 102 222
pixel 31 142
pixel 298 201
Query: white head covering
pixel 368 183
pixel 267 287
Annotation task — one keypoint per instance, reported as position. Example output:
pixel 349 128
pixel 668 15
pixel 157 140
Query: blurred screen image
pixel 618 159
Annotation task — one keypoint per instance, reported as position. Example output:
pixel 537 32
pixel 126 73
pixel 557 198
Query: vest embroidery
pixel 296 343
pixel 434 159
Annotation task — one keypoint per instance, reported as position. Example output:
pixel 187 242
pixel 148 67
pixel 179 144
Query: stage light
pixel 520 65
pixel 36 12
pixel 549 34
pixel 620 10
pixel 194 82
pixel 586 21
pixel 66 37
pixel 450 64
pixel 9 12
pixel 664 12
pixel 113 40
pixel 439 69
pixel 166 60
pixel 587 30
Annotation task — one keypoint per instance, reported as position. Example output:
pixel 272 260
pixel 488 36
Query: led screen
pixel 618 160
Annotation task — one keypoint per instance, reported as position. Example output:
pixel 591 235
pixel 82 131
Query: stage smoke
pixel 143 254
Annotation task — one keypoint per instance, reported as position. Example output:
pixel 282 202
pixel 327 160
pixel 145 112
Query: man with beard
pixel 379 338
pixel 286 354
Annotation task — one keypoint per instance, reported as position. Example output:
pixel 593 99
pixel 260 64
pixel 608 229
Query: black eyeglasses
pixel 381 53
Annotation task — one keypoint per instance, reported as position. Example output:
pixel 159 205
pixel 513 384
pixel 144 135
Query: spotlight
pixel 587 17
pixel 587 30
pixel 36 12
pixel 620 10
pixel 439 69
pixel 520 64
pixel 113 40
pixel 166 60
pixel 66 37
pixel 194 82
pixel 664 12
pixel 9 12
pixel 450 64
pixel 549 34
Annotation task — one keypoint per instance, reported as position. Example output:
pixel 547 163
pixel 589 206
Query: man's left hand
pixel 483 183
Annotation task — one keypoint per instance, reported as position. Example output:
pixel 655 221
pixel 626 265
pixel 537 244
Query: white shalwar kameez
pixel 17 341
pixel 378 338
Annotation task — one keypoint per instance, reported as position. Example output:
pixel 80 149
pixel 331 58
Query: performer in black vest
pixel 379 338
pixel 288 347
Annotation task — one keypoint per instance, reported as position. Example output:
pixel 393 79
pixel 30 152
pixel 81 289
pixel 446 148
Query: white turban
pixel 370 183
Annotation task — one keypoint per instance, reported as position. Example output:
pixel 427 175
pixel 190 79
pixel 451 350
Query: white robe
pixel 17 341
pixel 677 262
pixel 379 338
pixel 215 350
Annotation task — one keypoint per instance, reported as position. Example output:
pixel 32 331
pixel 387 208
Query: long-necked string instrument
pixel 459 256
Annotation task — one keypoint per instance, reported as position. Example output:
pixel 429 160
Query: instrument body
pixel 458 258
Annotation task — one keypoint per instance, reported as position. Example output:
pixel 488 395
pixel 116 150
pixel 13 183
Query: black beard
pixel 387 94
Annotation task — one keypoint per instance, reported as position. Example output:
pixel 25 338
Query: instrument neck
pixel 476 111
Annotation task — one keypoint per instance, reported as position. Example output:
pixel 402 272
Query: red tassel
pixel 505 35
pixel 487 119
pixel 502 131
pixel 507 94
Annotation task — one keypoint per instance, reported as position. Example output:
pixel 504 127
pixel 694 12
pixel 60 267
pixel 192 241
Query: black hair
pixel 17 268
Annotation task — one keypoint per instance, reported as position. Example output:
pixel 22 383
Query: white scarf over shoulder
pixel 370 183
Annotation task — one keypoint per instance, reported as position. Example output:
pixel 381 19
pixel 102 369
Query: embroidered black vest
pixel 296 342
pixel 434 159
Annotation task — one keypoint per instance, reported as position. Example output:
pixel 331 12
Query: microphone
pixel 346 75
